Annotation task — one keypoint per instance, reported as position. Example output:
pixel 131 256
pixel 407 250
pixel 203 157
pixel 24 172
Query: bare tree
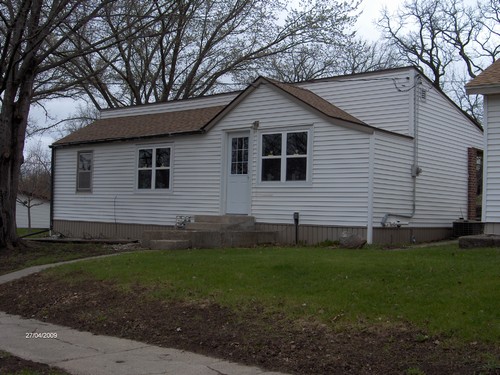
pixel 83 116
pixel 488 39
pixel 416 30
pixel 36 38
pixel 35 180
pixel 316 60
pixel 446 38
pixel 202 45
pixel 361 56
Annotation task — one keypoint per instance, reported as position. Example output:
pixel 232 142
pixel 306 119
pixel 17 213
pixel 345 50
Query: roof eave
pixel 489 89
pixel 124 139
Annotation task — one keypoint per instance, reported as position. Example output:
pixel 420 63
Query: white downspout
pixel 371 167
pixel 415 169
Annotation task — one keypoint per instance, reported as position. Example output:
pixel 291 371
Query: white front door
pixel 238 178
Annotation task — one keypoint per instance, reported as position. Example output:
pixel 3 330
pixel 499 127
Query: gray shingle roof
pixel 490 76
pixel 142 126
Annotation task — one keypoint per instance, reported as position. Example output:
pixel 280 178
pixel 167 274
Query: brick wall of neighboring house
pixel 472 154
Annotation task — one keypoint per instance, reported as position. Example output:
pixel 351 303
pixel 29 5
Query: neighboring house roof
pixel 142 126
pixel 488 82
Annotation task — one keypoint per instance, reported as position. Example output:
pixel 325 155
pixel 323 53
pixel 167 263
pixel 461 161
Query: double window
pixel 84 171
pixel 153 167
pixel 284 156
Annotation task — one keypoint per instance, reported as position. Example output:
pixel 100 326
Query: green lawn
pixel 442 290
pixel 25 231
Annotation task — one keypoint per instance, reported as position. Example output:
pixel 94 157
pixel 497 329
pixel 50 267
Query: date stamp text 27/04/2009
pixel 41 335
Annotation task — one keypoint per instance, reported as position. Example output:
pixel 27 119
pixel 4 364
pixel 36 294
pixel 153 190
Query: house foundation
pixel 307 234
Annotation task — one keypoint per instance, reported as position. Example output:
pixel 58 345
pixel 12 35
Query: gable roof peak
pixel 314 101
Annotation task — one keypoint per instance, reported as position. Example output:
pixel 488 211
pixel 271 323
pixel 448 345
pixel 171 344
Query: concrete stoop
pixel 210 232
pixel 480 240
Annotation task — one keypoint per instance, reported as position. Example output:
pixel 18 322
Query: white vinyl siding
pixel 380 100
pixel 195 184
pixel 492 185
pixel 170 106
pixel 444 135
pixel 393 184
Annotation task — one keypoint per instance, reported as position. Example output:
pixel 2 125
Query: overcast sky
pixel 371 12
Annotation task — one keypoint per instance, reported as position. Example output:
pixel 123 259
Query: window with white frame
pixel 284 156
pixel 154 171
pixel 84 171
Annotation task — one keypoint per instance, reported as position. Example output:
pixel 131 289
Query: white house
pixel 488 84
pixel 34 209
pixel 383 154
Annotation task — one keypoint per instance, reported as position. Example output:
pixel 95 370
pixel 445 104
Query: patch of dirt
pixel 10 365
pixel 254 337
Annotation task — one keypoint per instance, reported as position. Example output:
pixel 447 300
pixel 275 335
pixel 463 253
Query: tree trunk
pixel 8 193
pixel 8 235
pixel 13 122
pixel 29 216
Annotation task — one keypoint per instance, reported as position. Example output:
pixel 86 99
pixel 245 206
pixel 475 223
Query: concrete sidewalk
pixel 35 269
pixel 84 353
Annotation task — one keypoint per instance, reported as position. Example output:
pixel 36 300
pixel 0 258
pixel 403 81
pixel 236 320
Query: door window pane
pixel 239 155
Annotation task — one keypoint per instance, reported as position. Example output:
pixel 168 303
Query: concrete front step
pixel 222 223
pixel 214 227
pixel 169 244
pixel 209 239
pixel 224 219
